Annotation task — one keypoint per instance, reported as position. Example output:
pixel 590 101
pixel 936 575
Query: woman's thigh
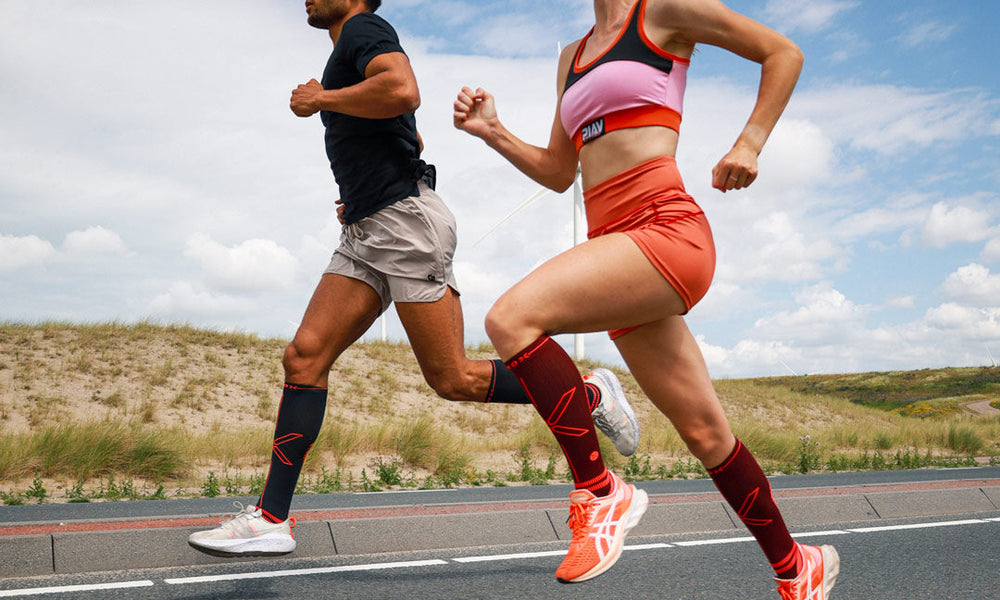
pixel 604 283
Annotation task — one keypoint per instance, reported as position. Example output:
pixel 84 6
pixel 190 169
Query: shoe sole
pixel 631 518
pixel 254 547
pixel 609 379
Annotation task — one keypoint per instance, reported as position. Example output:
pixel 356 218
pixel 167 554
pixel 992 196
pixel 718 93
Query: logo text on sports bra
pixel 594 129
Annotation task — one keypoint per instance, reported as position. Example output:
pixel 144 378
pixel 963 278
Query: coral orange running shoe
pixel 820 567
pixel 599 526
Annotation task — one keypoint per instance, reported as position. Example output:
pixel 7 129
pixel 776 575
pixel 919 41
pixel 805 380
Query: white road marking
pixel 817 533
pixel 916 526
pixel 312 571
pixel 647 546
pixel 62 589
pixel 713 542
pixel 463 559
pixel 472 559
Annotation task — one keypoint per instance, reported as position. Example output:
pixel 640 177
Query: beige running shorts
pixel 404 251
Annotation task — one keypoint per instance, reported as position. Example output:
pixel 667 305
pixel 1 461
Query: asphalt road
pixel 908 559
pixel 947 548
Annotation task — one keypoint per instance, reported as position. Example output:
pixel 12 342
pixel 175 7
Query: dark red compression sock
pixel 555 387
pixel 746 488
pixel 505 388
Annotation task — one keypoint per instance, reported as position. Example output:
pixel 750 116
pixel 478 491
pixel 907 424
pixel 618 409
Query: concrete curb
pixel 91 546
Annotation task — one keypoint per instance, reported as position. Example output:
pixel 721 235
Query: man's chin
pixel 318 22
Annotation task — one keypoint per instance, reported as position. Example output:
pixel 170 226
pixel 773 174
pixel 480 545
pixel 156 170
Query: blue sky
pixel 152 170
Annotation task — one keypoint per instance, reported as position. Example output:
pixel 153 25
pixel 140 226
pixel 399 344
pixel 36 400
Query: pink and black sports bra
pixel 634 83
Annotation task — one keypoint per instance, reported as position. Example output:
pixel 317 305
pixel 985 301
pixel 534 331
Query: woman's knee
pixel 710 443
pixel 495 323
pixel 509 328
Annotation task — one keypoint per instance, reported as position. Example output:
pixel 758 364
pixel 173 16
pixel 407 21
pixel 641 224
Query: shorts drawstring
pixel 354 230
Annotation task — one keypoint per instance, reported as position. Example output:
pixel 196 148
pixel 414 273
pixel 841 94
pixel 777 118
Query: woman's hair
pixel 373 4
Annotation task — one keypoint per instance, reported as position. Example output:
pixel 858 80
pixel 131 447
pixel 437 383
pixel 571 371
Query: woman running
pixel 649 258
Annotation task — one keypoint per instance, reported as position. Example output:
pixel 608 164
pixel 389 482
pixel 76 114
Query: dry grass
pixel 192 411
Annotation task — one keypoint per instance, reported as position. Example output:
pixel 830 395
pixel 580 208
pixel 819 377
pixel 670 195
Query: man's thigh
pixel 435 330
pixel 340 311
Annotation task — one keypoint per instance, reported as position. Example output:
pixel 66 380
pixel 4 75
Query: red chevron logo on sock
pixel 284 440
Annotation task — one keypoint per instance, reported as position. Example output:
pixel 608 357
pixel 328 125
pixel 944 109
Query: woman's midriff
pixel 618 151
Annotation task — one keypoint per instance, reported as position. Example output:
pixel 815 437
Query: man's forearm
pixel 382 96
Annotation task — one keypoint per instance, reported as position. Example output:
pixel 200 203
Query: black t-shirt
pixel 375 161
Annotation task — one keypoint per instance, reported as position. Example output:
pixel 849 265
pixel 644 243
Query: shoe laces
pixel 242 513
pixel 786 592
pixel 579 518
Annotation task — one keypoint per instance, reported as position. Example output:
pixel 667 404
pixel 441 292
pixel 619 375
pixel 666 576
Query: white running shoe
pixel 613 415
pixel 247 533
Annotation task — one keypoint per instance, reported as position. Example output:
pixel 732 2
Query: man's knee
pixel 448 390
pixel 303 360
pixel 451 385
pixel 292 360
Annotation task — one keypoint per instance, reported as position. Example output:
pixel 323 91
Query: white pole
pixel 579 236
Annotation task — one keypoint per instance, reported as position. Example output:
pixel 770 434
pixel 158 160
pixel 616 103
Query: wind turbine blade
pixel 520 207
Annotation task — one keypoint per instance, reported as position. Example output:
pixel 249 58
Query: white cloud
pixel 798 153
pixel 991 252
pixel 185 301
pixel 776 248
pixel 947 225
pixel 515 35
pixel 875 221
pixel 448 13
pixel 965 322
pixel 825 317
pixel 725 299
pixel 253 265
pixel 749 356
pixel 927 32
pixel 947 335
pixel 714 355
pixel 23 252
pixel 892 119
pixel 805 15
pixel 93 240
pixel 902 302
pixel 973 284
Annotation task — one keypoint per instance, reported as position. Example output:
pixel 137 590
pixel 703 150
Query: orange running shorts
pixel 648 203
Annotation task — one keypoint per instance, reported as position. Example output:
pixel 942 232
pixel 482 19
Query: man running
pixel 397 245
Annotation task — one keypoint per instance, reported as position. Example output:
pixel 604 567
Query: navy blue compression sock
pixel 300 417
pixel 505 388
